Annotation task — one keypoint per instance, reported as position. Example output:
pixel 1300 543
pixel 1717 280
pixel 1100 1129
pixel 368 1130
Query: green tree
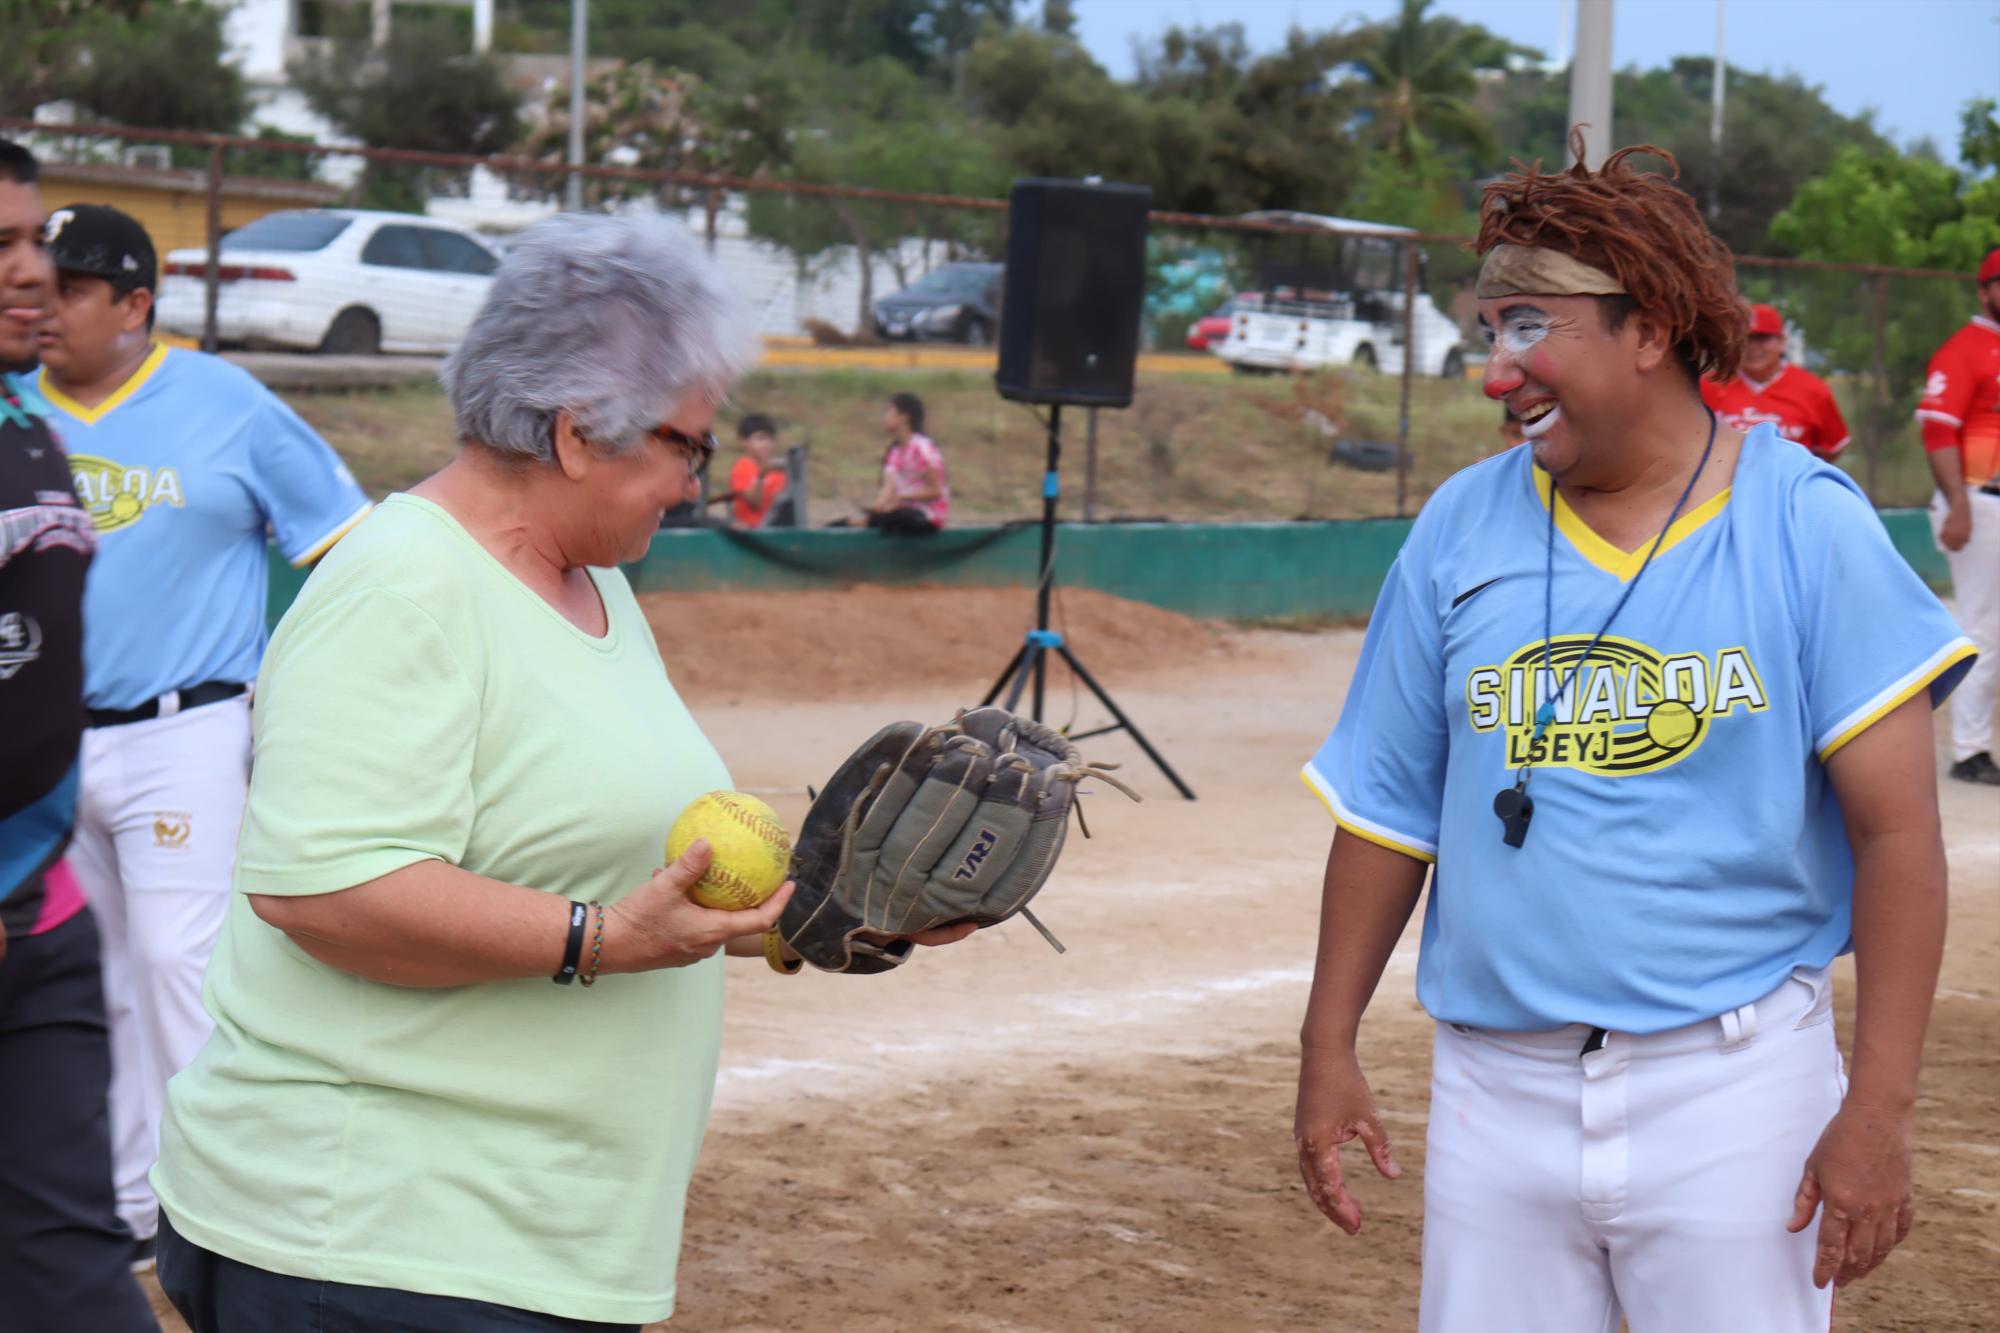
pixel 633 116
pixel 1209 128
pixel 1979 135
pixel 1421 77
pixel 269 163
pixel 419 91
pixel 889 129
pixel 108 57
pixel 38 39
pixel 1423 193
pixel 1778 133
pixel 1276 125
pixel 714 40
pixel 1900 210
pixel 1056 112
pixel 116 70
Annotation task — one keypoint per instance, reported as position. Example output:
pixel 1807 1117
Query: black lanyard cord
pixel 1547 712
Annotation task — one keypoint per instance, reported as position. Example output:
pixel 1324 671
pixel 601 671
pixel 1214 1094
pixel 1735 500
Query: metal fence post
pixel 1879 317
pixel 579 38
pixel 1090 468
pixel 212 277
pixel 1409 373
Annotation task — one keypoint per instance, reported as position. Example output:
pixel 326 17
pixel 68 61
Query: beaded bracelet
pixel 774 954
pixel 596 947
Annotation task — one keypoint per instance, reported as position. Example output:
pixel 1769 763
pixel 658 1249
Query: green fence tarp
pixel 1236 571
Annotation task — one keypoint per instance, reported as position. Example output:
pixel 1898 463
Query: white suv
pixel 335 280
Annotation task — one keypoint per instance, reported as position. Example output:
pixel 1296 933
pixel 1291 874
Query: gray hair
pixel 615 318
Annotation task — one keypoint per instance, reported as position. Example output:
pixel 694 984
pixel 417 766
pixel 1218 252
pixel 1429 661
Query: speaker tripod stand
pixel 1031 660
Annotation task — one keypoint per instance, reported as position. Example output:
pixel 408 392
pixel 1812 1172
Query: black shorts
pixel 219 1295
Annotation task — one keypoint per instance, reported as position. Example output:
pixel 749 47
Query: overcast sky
pixel 1916 62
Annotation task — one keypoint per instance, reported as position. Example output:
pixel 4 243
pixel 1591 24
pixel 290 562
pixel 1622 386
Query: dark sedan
pixel 957 303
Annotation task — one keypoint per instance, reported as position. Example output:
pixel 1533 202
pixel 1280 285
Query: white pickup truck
pixel 1354 323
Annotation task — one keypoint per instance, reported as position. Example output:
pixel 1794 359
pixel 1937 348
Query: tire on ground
pixel 354 332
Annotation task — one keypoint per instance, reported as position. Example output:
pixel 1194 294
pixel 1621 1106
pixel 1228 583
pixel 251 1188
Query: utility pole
pixel 579 29
pixel 1590 80
pixel 1715 118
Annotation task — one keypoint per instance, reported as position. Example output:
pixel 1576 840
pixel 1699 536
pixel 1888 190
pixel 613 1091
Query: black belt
pixel 1991 488
pixel 194 696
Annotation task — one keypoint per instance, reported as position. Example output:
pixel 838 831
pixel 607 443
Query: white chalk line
pixel 1060 1025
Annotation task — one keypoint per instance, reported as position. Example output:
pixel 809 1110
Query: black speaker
pixel 1076 274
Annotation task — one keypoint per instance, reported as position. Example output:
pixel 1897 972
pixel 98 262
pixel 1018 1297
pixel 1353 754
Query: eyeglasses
pixel 700 448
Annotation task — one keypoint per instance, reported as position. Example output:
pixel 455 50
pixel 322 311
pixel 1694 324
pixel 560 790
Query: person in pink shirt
pixel 915 496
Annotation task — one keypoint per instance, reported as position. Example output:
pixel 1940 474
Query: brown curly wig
pixel 1642 229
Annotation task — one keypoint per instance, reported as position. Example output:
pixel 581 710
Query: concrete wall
pixel 1238 571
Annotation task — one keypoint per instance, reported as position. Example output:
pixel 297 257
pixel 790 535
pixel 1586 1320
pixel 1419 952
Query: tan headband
pixel 1530 270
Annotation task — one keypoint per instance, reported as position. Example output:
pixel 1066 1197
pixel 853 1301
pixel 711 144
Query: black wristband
pixel 579 913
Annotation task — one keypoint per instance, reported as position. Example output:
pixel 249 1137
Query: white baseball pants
pixel 1649 1180
pixel 1975 587
pixel 155 850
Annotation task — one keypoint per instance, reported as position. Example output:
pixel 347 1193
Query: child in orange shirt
pixel 754 483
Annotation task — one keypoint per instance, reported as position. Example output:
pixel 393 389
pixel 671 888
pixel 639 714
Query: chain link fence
pixel 1296 367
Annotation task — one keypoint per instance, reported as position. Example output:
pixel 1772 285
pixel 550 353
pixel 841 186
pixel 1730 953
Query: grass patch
pixel 1214 448
pixel 390 438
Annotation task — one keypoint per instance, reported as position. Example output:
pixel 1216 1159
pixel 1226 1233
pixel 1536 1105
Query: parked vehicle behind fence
pixel 957 303
pixel 1341 305
pixel 1206 334
pixel 335 280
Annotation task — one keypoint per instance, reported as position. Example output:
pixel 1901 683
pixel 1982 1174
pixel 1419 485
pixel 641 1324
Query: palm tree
pixel 1420 82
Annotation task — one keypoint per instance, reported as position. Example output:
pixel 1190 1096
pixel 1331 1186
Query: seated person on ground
pixel 755 480
pixel 915 496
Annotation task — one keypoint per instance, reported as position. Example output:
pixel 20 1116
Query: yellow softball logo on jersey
pixel 1629 708
pixel 118 496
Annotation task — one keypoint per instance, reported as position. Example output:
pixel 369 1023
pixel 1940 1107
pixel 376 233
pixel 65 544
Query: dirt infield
pixel 724 648
pixel 1001 1138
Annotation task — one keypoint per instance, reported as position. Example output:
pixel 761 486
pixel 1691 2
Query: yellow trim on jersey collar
pixel 90 416
pixel 1621 565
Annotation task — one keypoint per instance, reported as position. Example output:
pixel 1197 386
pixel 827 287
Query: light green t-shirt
pixel 517 1142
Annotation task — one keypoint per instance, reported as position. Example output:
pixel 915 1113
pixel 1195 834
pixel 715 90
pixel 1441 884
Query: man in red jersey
pixel 1960 413
pixel 1770 389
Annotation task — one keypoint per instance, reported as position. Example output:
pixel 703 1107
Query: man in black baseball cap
pixel 98 240
pixel 106 273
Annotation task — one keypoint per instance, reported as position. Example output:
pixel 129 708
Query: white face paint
pixel 1521 328
pixel 1541 425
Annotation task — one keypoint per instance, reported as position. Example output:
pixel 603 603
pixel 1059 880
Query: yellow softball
pixel 751 849
pixel 1671 724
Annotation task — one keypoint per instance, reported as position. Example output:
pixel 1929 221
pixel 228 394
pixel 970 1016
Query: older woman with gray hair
pixel 467 756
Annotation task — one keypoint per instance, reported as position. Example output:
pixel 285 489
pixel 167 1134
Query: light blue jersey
pixel 184 470
pixel 1686 850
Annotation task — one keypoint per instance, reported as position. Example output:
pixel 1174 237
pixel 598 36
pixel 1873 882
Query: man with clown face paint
pixel 1653 697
